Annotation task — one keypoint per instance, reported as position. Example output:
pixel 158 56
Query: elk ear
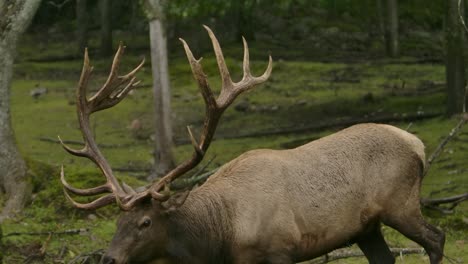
pixel 175 201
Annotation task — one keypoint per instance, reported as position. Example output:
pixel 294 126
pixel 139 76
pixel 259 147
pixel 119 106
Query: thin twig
pixel 409 126
pixel 202 169
pixel 45 233
pixel 82 258
pixel 44 246
pixel 184 183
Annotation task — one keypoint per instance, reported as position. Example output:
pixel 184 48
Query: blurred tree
pixel 455 60
pixel 15 17
pixel 81 25
pixel 380 17
pixel 163 156
pixel 244 18
pixel 106 27
pixel 391 28
pixel 1 244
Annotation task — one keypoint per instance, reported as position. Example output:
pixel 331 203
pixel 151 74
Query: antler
pixel 214 107
pixel 110 94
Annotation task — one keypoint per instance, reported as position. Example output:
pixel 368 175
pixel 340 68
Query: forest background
pixel 336 63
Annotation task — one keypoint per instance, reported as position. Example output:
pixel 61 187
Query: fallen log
pixel 324 126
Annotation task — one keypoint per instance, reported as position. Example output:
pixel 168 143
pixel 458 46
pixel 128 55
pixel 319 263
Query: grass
pixel 299 94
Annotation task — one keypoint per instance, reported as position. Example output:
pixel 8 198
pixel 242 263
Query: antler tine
pixel 134 71
pixel 199 76
pixel 84 79
pixel 246 66
pixel 118 97
pixel 248 81
pixel 223 70
pixel 95 204
pixel 195 144
pixel 77 152
pixel 246 63
pixel 109 85
pixel 83 192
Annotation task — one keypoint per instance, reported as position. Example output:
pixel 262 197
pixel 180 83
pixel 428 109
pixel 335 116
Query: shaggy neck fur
pixel 200 230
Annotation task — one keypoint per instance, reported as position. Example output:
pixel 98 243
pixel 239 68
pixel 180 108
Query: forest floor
pixel 302 101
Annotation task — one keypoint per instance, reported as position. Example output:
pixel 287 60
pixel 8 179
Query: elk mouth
pixel 108 259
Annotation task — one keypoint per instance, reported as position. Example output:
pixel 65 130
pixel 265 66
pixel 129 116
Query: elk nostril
pixel 108 260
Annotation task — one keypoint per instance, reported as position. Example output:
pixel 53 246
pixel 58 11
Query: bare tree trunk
pixel 455 65
pixel 243 18
pixel 391 29
pixel 15 17
pixel 81 25
pixel 163 156
pixel 134 19
pixel 106 27
pixel 380 18
pixel 1 240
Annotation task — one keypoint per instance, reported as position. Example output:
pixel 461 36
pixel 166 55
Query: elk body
pixel 266 206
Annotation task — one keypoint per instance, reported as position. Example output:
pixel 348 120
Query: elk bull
pixel 266 206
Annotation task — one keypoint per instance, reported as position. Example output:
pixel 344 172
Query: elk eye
pixel 146 223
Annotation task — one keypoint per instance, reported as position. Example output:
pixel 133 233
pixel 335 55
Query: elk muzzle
pixel 110 258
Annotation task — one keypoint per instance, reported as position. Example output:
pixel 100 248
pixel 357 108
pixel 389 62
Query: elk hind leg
pixel 415 228
pixel 375 248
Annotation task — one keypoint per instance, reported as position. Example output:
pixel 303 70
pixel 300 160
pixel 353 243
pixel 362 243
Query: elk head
pixel 142 233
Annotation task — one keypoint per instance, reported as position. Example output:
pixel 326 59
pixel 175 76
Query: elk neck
pixel 201 228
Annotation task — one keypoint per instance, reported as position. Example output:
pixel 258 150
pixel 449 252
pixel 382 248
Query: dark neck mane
pixel 201 229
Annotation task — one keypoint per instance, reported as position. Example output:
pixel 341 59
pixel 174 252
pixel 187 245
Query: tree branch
pixel 346 253
pixel 435 204
pixel 444 142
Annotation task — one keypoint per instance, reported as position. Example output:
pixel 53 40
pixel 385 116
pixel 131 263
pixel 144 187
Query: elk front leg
pixel 375 248
pixel 278 259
